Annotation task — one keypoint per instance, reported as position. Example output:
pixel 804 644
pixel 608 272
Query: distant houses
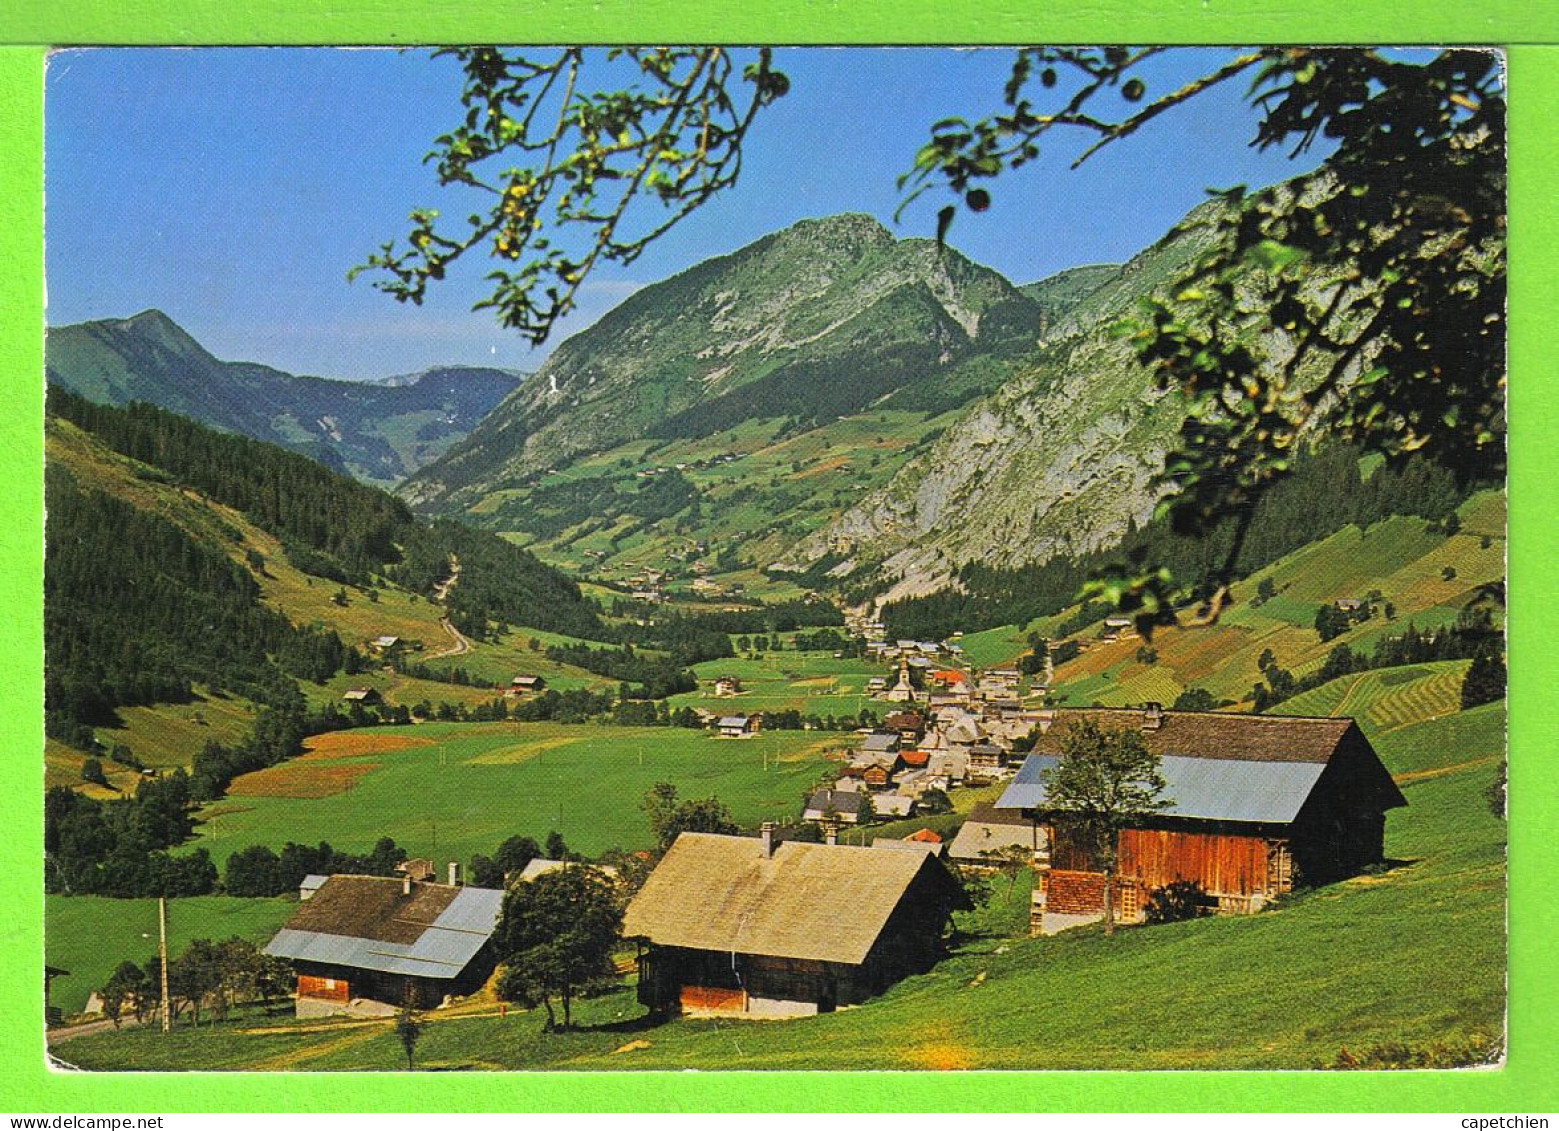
pixel 842 805
pixel 371 944
pixel 727 686
pixel 746 927
pixel 738 726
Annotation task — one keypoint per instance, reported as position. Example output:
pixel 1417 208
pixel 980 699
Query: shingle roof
pixel 839 800
pixel 1188 734
pixel 977 837
pixel 368 923
pixel 823 902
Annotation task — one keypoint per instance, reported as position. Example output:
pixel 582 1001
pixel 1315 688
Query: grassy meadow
pixel 90 935
pixel 814 683
pixel 449 790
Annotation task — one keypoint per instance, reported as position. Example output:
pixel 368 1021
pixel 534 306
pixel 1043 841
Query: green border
pixel 1526 1084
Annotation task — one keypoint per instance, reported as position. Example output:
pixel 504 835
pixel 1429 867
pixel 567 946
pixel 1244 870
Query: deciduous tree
pixel 1104 781
pixel 556 935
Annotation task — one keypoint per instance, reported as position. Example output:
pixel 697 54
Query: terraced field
pixel 1400 557
pixel 1388 698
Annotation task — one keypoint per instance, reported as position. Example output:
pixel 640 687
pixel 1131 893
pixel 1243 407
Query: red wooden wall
pixel 1222 864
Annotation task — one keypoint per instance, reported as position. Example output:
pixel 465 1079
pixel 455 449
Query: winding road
pixel 461 644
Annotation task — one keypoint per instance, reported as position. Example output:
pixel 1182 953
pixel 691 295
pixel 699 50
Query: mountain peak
pixel 853 231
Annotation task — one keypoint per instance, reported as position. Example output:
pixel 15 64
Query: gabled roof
pixel 1195 734
pixel 1220 789
pixel 880 743
pixel 839 800
pixel 976 837
pixel 367 922
pixel 733 721
pixel 824 902
pixel 1256 768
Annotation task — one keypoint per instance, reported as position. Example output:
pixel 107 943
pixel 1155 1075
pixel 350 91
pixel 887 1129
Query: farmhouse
pixel 385 644
pixel 364 695
pixel 892 805
pixel 373 943
pixel 842 805
pixel 879 742
pixel 989 830
pixel 1256 801
pixel 909 725
pixel 738 726
pixel 528 683
pixel 727 686
pixel 746 927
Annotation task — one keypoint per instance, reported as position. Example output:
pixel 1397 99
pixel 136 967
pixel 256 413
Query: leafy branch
pixel 593 166
pixel 1364 301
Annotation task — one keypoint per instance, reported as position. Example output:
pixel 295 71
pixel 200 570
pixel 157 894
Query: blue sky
pixel 234 188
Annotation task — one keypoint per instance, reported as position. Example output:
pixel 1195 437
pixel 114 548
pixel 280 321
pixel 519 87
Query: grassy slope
pixel 89 935
pixel 780 488
pixel 169 734
pixel 813 683
pixel 1415 955
pixel 1398 557
pixel 462 788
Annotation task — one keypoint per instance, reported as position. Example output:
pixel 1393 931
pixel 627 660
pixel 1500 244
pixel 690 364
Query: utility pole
pixel 162 951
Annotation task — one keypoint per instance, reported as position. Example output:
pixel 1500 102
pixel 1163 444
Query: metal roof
pixel 1218 789
pixel 443 950
pixel 733 721
pixel 312 881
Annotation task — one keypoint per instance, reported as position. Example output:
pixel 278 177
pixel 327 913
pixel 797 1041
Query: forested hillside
pixel 141 604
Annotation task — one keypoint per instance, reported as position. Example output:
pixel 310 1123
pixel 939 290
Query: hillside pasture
pixel 450 790
pixel 90 935
pixel 1404 558
pixel 168 734
pixel 1386 698
pixel 813 683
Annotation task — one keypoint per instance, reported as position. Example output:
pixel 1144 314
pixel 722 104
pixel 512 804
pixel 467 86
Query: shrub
pixel 1177 901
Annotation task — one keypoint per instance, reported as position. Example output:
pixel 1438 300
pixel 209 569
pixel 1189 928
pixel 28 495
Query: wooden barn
pixel 1257 803
pixel 747 927
pixel 372 943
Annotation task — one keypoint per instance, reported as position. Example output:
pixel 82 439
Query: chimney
pixel 406 884
pixel 1152 716
pixel 766 832
pixel 454 873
